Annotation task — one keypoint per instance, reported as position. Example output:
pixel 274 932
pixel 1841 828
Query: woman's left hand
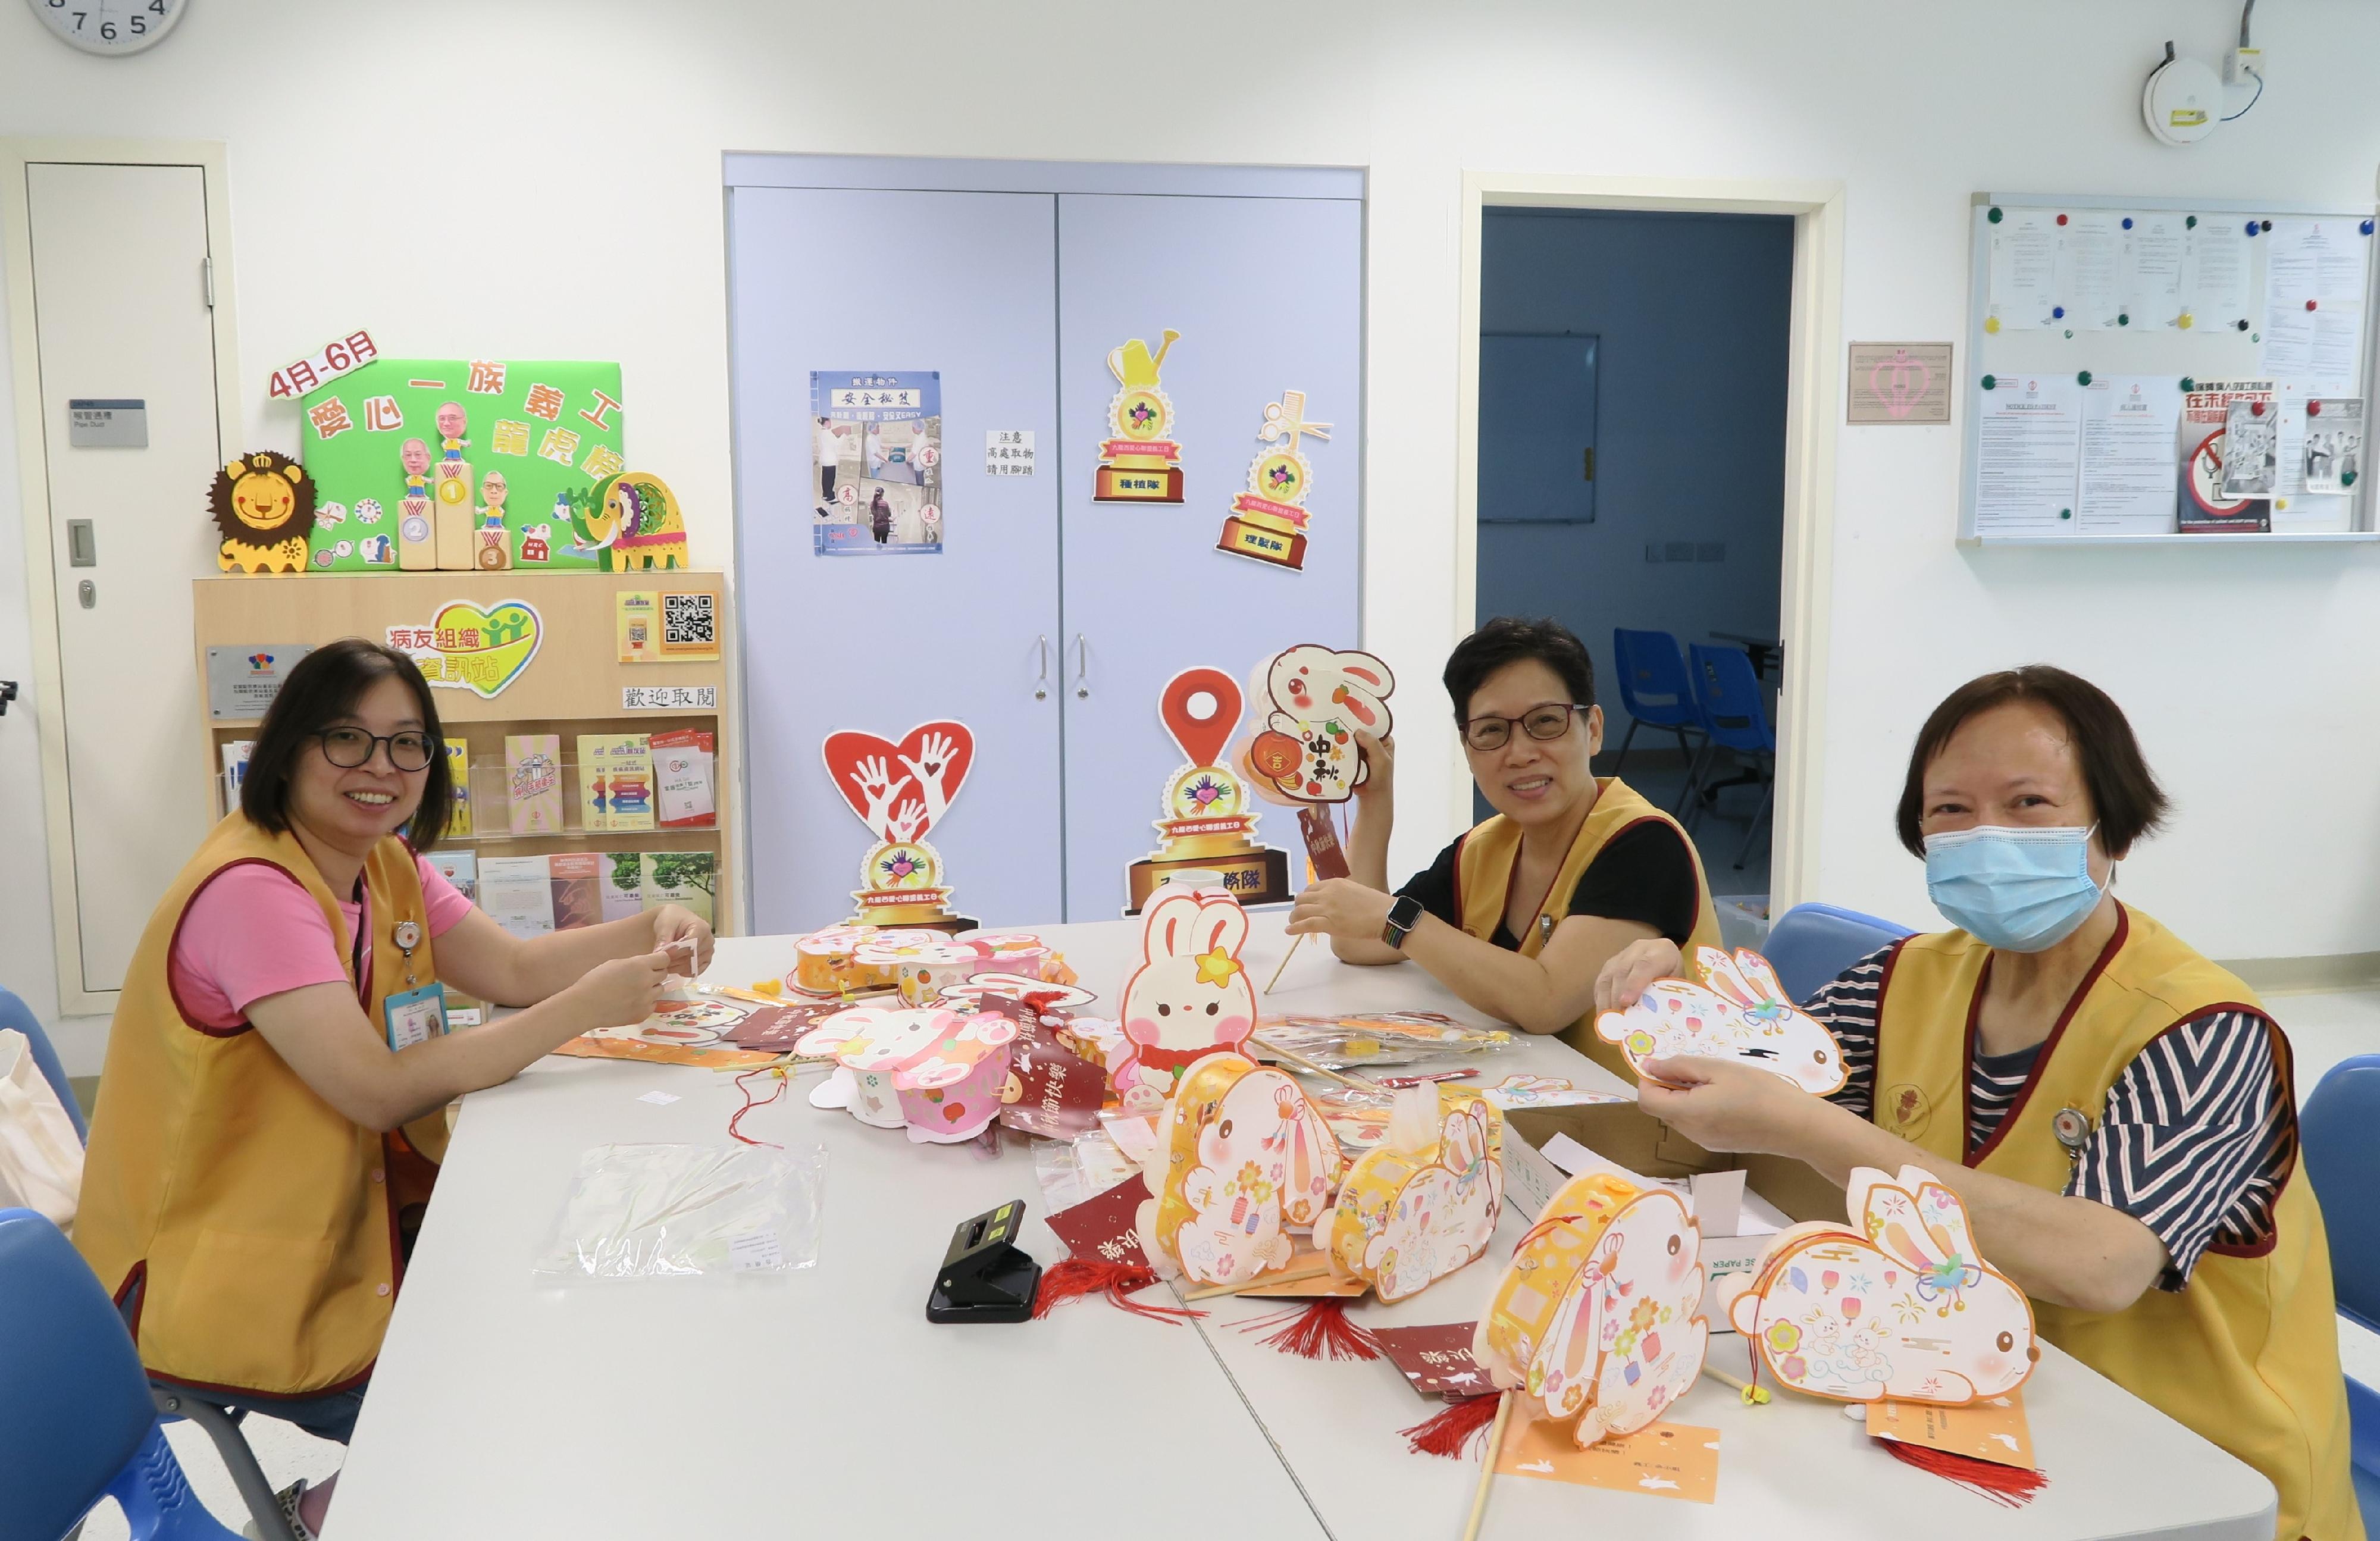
pixel 1721 1105
pixel 1340 907
pixel 676 923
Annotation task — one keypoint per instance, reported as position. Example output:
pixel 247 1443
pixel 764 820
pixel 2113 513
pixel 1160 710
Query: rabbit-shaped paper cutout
pixel 1242 1152
pixel 1403 1221
pixel 922 962
pixel 1740 1011
pixel 934 1070
pixel 1188 998
pixel 1020 986
pixel 1903 1307
pixel 1313 698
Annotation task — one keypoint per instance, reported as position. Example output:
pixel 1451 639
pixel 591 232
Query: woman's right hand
pixel 622 992
pixel 1632 968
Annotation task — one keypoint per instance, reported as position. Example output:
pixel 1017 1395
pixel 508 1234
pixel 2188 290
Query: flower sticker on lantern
pixel 899 792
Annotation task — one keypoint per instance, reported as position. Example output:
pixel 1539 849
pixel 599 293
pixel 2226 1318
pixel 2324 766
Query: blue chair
pixel 15 1014
pixel 76 1420
pixel 1810 944
pixel 1655 689
pixel 1735 716
pixel 2342 1161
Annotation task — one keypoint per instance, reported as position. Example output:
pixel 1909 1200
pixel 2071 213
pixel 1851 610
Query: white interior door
pixel 1268 296
pixel 961 282
pixel 121 313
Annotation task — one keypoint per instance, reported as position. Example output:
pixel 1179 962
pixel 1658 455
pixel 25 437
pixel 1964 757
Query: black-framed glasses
pixel 349 748
pixel 1550 721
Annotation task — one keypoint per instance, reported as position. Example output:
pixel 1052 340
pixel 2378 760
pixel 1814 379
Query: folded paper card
pixel 1900 1307
pixel 1437 1360
pixel 1664 1461
pixel 1740 1011
pixel 1407 1218
pixel 937 1072
pixel 1242 1160
pixel 1189 995
pixel 1597 1316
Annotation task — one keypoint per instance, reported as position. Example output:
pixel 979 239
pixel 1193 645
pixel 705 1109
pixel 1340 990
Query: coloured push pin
pixel 1995 215
pixel 2187 383
pixel 2061 219
pixel 2190 222
pixel 2123 318
pixel 2255 409
pixel 2252 227
pixel 2310 304
pixel 2128 221
pixel 1990 383
pixel 2264 225
pixel 2314 410
pixel 2185 320
pixel 2057 312
pixel 2243 323
pixel 2365 227
pixel 2083 377
pixel 1991 324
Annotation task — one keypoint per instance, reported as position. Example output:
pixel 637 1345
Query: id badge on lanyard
pixel 417 1013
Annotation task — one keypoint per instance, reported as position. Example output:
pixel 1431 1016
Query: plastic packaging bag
pixel 660 1211
pixel 1378 1038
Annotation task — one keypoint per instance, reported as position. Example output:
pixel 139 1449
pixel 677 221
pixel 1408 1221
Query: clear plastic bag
pixel 666 1211
pixel 1378 1038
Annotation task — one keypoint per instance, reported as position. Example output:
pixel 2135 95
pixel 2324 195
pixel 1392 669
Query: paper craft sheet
pixel 1993 1429
pixel 1739 1012
pixel 1665 1460
pixel 1435 1360
pixel 1101 1229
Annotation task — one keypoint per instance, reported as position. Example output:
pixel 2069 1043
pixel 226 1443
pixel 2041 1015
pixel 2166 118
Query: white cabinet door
pixel 961 282
pixel 1267 294
pixel 120 314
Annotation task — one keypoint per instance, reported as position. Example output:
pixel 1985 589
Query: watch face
pixel 110 27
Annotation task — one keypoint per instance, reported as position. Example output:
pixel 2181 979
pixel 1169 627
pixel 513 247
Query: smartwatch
pixel 1403 916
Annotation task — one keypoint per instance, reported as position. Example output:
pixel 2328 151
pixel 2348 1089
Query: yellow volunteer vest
pixel 2248 1353
pixel 255 1221
pixel 1482 881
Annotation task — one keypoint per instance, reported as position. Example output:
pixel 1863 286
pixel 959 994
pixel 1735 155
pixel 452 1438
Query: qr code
pixel 687 621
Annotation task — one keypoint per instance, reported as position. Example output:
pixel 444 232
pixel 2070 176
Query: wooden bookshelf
pixel 571 685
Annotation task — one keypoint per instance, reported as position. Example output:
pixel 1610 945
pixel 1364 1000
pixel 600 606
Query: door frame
pixel 1812 390
pixel 32 474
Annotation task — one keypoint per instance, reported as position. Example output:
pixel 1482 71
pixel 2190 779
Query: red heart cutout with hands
pixel 901 790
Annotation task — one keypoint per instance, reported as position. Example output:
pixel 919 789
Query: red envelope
pixel 1102 1230
pixel 1322 845
pixel 774 1028
pixel 1051 1091
pixel 1435 1359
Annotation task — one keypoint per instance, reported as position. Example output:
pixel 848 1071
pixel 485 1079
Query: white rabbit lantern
pixel 922 963
pixel 1405 1219
pixel 1188 998
pixel 1740 1011
pixel 1019 953
pixel 1597 1316
pixel 1243 1159
pixel 936 1073
pixel 1312 700
pixel 1901 1308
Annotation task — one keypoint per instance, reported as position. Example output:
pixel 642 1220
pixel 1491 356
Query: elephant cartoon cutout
pixel 1404 1221
pixel 1901 1308
pixel 1188 997
pixel 1740 1011
pixel 1597 1316
pixel 936 1073
pixel 1310 701
pixel 1243 1158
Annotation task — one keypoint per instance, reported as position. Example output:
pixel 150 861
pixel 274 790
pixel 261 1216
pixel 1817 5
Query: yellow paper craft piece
pixel 1243 1159
pixel 1665 1460
pixel 1404 1221
pixel 1217 967
pixel 1992 1429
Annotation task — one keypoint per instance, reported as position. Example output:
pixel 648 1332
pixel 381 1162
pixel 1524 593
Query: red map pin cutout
pixel 1201 709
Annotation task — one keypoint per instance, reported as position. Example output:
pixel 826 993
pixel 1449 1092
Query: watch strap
pixel 1403 916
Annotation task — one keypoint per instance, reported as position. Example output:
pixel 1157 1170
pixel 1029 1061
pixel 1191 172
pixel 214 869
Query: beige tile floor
pixel 2323 1029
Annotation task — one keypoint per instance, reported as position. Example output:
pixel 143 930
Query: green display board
pixel 551 430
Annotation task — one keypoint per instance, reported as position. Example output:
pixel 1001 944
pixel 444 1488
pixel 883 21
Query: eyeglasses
pixel 1550 721
pixel 349 748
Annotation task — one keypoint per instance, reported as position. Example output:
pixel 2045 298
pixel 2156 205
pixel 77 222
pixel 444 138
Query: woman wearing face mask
pixel 1518 914
pixel 2115 1111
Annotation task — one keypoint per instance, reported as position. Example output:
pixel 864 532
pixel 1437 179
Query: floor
pixel 1718 831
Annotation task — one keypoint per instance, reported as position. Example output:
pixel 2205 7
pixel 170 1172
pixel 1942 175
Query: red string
pixel 1317 1330
pixel 1452 1432
pixel 2009 1487
pixel 749 1104
pixel 1073 1277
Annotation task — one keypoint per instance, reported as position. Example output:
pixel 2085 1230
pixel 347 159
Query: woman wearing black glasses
pixel 272 1103
pixel 1519 915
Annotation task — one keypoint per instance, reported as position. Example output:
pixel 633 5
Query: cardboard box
pixel 1624 1134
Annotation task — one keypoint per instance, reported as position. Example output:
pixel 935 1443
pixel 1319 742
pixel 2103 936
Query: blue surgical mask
pixel 2021 889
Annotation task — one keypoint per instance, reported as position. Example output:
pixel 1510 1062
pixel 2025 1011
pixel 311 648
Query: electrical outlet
pixel 2242 64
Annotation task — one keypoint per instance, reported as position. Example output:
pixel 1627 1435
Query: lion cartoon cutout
pixel 263 504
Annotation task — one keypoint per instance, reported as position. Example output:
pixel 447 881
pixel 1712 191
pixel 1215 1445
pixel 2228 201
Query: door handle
pixel 1041 682
pixel 1082 668
pixel 88 592
pixel 83 546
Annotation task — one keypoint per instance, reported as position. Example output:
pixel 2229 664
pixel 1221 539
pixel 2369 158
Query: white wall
pixel 578 144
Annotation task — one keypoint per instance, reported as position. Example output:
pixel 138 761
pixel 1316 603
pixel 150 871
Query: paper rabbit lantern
pixel 1188 998
pixel 1243 1159
pixel 1740 1011
pixel 1597 1316
pixel 1013 953
pixel 921 963
pixel 938 1073
pixel 1901 1308
pixel 1404 1221
pixel 823 963
pixel 1310 700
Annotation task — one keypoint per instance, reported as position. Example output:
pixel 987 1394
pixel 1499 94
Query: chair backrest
pixel 1729 693
pixel 1810 944
pixel 2342 1160
pixel 1652 684
pixel 74 1401
pixel 15 1014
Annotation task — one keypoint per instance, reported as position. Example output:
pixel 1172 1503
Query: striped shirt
pixel 2198 1135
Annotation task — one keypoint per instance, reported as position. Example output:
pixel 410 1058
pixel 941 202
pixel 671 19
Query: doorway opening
pixel 1635 395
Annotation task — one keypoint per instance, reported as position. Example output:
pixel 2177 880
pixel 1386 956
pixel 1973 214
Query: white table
pixel 825 1404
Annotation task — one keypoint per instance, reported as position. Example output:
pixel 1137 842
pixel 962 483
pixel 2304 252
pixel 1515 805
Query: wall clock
pixel 110 27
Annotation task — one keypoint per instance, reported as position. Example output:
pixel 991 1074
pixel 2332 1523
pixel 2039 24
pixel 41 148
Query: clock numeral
pixel 108 31
pixel 138 26
pixel 78 15
pixel 156 7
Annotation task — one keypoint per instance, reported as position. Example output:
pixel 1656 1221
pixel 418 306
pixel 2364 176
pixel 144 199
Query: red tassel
pixel 1076 1277
pixel 1450 1433
pixel 2011 1486
pixel 1317 1330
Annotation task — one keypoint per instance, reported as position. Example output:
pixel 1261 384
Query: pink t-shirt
pixel 252 931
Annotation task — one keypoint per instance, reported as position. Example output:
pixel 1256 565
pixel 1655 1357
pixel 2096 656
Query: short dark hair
pixel 1509 639
pixel 322 688
pixel 2124 793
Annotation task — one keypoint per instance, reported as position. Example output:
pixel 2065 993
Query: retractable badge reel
pixel 2072 1127
pixel 417 1012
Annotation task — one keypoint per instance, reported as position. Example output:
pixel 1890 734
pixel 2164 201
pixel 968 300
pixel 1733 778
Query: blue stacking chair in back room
pixel 2342 1161
pixel 1655 690
pixel 1810 944
pixel 1728 692
pixel 76 1421
pixel 15 1014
